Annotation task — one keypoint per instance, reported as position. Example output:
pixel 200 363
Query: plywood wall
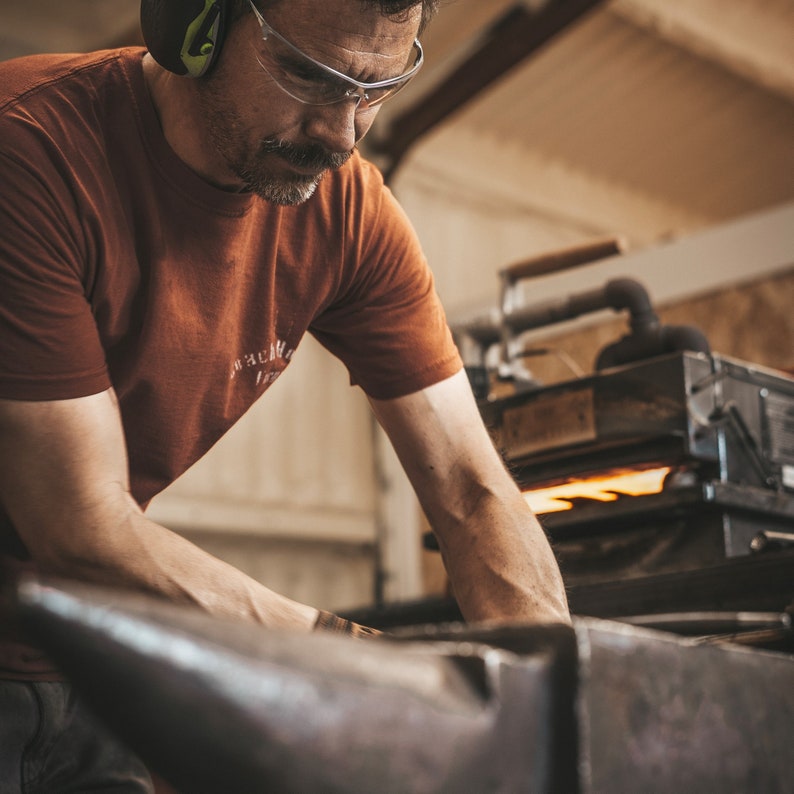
pixel 753 322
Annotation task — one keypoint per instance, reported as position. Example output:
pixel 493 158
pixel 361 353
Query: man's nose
pixel 337 127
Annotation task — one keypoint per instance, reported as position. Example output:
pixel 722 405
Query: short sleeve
pixel 50 346
pixel 389 327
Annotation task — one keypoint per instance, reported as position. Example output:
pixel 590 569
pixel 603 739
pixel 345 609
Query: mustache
pixel 311 156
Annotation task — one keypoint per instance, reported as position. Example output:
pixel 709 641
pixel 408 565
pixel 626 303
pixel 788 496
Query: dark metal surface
pixel 214 706
pixel 658 713
pixel 763 582
pixel 771 630
pixel 680 403
pixel 662 714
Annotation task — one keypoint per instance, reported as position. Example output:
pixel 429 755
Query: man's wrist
pixel 328 621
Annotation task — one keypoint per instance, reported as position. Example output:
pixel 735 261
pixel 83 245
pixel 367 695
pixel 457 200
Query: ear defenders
pixel 184 36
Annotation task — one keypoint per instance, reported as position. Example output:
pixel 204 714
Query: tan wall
pixel 289 495
pixel 335 576
pixel 300 497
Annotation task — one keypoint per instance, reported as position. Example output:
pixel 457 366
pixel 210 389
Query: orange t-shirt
pixel 121 267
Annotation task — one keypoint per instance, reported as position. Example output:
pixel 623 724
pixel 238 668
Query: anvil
pixel 219 706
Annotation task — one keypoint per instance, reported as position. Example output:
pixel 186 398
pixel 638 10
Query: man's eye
pixel 303 73
pixel 320 84
pixel 307 77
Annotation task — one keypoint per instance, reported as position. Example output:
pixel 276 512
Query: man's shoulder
pixel 43 78
pixel 64 108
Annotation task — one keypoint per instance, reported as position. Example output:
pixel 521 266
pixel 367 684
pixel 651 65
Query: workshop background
pixel 533 126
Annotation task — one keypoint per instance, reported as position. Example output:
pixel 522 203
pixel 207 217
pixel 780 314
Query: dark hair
pixel 396 8
pixel 389 8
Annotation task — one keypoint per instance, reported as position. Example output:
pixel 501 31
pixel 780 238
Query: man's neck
pixel 175 102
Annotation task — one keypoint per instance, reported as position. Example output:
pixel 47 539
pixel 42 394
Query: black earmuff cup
pixel 184 36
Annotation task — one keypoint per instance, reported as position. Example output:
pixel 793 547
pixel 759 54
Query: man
pixel 157 234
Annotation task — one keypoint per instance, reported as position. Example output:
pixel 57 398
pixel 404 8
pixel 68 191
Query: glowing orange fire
pixel 602 488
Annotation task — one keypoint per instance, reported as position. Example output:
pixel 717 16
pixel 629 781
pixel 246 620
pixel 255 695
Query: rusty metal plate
pixel 558 420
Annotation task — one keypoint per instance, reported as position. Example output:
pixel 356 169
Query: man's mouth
pixel 309 160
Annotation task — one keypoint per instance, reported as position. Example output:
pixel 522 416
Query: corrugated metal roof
pixel 686 102
pixel 633 109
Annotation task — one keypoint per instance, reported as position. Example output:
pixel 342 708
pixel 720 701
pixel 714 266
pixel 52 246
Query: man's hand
pixel 499 561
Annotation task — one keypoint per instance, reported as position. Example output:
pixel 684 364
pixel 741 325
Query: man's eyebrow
pixel 303 67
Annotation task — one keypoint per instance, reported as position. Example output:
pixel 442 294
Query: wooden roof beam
pixel 512 39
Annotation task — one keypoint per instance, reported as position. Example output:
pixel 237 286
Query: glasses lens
pixel 300 77
pixel 375 96
pixel 309 81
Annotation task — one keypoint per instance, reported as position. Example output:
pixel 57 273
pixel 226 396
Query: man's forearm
pixel 501 565
pixel 498 559
pixel 64 484
pixel 121 547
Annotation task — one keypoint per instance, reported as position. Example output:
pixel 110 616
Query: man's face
pixel 276 145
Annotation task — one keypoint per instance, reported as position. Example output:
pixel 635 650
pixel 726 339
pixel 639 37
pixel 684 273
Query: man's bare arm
pixel 64 482
pixel 499 561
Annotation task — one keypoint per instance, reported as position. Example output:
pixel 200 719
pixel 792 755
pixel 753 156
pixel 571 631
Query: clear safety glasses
pixel 314 83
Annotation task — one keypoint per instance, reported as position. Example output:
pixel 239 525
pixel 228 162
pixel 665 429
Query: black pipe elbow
pixel 626 293
pixel 657 341
pixel 684 337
